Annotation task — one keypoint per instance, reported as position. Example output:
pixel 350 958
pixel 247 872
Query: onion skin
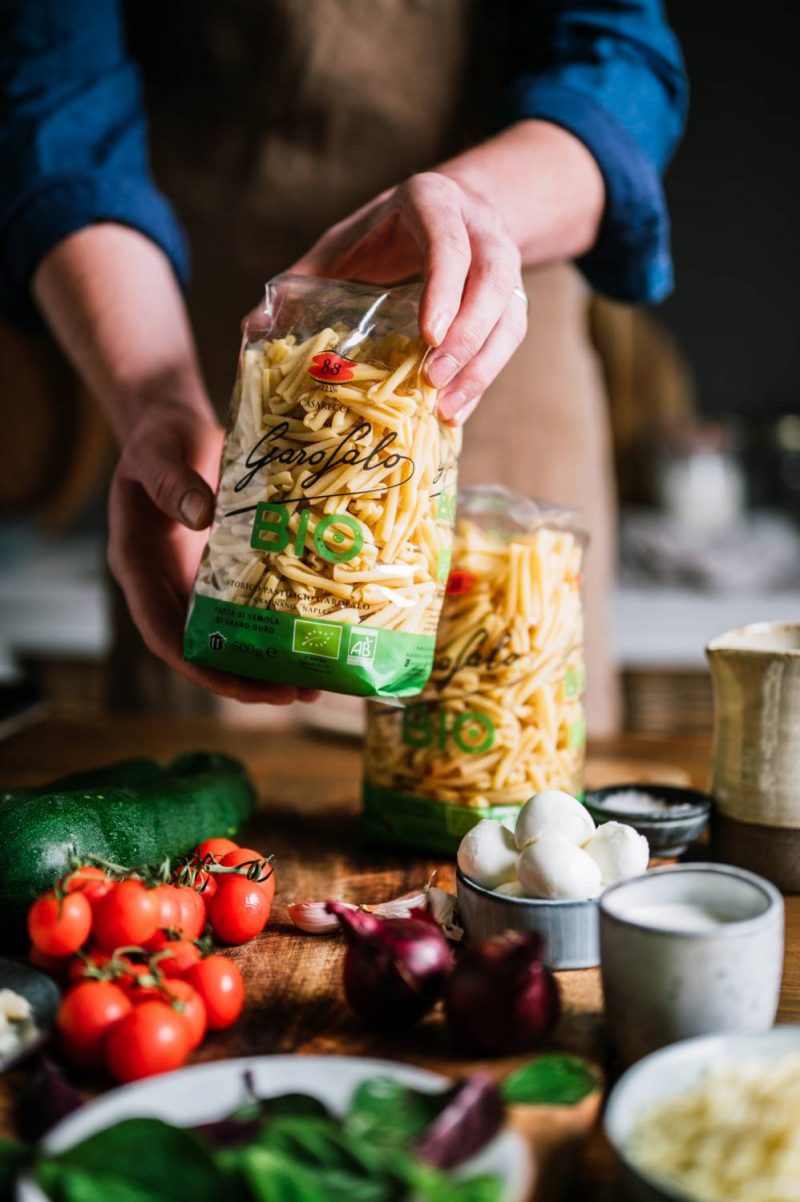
pixel 500 997
pixel 395 969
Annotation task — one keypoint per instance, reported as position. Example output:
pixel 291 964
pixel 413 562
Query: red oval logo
pixel 459 583
pixel 329 368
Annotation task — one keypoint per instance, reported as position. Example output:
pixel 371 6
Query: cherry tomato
pixel 132 972
pixel 94 958
pixel 86 1016
pixel 219 983
pixel 89 880
pixel 206 885
pixel 246 855
pixel 127 915
pixel 57 967
pixel 59 926
pixel 169 907
pixel 152 1038
pixel 239 910
pixel 193 913
pixel 215 847
pixel 178 957
pixel 184 999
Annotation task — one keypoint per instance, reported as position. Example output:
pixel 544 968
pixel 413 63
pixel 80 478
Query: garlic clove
pixel 313 918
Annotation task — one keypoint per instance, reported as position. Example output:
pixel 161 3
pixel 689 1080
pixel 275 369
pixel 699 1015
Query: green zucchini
pixel 133 813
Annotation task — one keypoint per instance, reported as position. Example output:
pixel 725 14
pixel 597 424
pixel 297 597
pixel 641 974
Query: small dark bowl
pixel 43 995
pixel 669 834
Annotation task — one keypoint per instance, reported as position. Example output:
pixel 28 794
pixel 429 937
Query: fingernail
pixel 193 508
pixel 441 369
pixel 450 404
pixel 439 325
pixel 466 412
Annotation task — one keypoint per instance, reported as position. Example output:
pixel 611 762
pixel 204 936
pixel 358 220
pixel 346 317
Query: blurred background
pixel 705 404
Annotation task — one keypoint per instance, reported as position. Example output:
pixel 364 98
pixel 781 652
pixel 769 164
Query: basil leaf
pixel 139 1160
pixel 429 1185
pixel 275 1177
pixel 473 1115
pixel 550 1080
pixel 390 1114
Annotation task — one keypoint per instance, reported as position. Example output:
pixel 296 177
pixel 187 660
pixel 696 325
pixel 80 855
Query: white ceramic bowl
pixel 665 982
pixel 672 1071
pixel 569 927
pixel 205 1092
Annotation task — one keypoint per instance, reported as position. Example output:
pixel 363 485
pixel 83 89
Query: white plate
pixel 207 1092
pixel 673 1070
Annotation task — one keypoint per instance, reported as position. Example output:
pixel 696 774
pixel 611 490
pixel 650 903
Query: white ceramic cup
pixel 665 978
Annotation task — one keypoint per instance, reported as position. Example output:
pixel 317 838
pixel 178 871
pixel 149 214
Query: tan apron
pixel 273 119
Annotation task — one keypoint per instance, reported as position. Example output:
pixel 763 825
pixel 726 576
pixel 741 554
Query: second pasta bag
pixel 501 717
pixel 330 547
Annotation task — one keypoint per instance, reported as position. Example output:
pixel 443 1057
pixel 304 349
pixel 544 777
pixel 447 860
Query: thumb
pixel 171 484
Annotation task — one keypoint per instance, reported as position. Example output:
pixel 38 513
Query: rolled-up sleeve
pixel 610 72
pixel 73 140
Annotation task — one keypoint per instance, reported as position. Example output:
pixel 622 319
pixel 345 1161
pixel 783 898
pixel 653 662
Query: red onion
pixel 500 997
pixel 395 968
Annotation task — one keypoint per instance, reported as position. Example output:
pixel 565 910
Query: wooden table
pixel 308 788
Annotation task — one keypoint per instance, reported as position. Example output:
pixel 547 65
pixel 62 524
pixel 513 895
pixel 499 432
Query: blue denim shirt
pixel 73 139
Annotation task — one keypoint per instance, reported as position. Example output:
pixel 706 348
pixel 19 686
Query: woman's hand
pixel 473 311
pixel 112 301
pixel 161 502
pixel 531 195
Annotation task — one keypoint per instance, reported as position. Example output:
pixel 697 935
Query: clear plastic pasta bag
pixel 501 717
pixel 330 547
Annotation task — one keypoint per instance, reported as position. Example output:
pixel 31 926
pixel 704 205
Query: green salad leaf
pixel 550 1080
pixel 138 1160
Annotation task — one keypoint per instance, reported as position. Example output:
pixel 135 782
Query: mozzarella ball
pixel 619 851
pixel 553 812
pixel 488 854
pixel 554 867
pixel 510 889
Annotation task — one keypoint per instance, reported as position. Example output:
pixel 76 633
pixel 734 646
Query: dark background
pixel 734 192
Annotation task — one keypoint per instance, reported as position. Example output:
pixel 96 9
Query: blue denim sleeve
pixel 72 140
pixel 610 72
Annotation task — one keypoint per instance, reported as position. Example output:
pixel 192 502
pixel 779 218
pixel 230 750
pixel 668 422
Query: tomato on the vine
pixel 152 1038
pixel 86 1016
pixel 82 966
pixel 215 847
pixel 239 910
pixel 168 899
pixel 89 880
pixel 184 999
pixel 177 957
pixel 193 912
pixel 58 926
pixel 246 855
pixel 205 883
pixel 127 915
pixel 219 983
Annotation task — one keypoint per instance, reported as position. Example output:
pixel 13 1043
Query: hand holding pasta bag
pixel 501 717
pixel 331 542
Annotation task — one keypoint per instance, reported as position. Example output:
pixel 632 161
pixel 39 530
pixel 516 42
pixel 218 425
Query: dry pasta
pixel 501 717
pixel 331 541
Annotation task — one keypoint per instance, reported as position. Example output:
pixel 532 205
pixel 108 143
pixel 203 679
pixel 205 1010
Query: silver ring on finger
pixel 523 296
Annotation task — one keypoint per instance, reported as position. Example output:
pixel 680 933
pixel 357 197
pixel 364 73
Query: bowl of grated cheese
pixel 671 818
pixel 712 1119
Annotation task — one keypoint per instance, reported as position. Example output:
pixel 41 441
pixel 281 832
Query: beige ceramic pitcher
pixel 756 761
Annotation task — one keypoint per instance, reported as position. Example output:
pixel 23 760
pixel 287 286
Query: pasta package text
pixel 502 715
pixel 331 542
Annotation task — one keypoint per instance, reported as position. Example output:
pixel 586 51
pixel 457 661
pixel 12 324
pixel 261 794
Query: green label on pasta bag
pixel 316 653
pixel 423 822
